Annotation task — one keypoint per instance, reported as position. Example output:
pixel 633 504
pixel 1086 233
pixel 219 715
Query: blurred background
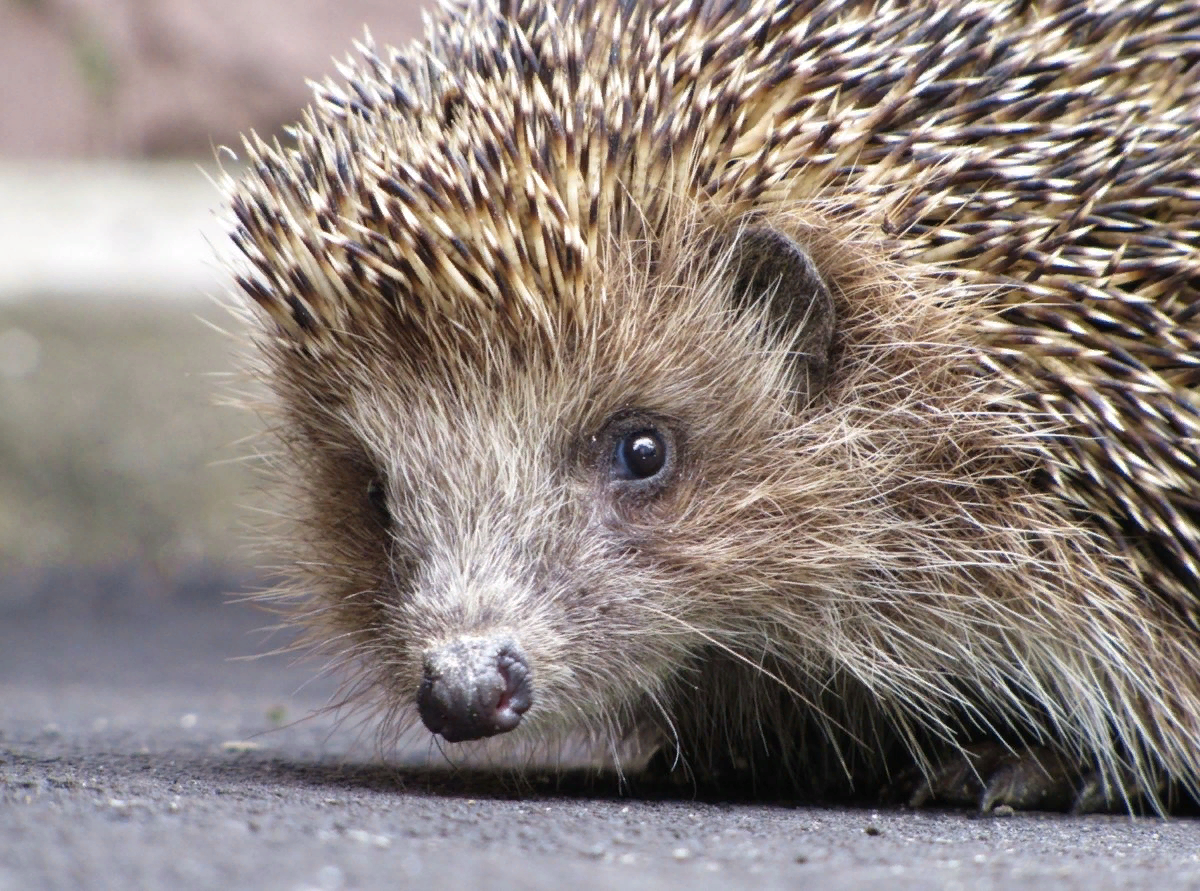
pixel 116 459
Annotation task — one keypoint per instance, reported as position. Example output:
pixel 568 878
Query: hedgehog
pixel 809 389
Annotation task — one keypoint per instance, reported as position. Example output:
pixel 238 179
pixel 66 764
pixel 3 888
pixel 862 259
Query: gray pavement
pixel 138 751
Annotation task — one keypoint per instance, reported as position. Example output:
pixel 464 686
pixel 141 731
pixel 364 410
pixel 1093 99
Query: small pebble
pixel 368 838
pixel 239 745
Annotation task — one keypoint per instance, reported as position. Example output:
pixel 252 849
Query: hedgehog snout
pixel 473 688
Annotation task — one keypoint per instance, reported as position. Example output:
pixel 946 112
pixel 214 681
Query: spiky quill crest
pixel 1005 199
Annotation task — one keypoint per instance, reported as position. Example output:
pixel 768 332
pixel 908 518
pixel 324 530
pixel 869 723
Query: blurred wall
pixel 153 78
pixel 112 449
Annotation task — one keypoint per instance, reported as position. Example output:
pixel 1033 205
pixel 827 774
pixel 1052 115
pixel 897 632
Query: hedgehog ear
pixel 774 273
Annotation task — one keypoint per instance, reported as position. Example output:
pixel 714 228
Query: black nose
pixel 473 688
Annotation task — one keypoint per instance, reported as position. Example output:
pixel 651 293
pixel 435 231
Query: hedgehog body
pixel 812 386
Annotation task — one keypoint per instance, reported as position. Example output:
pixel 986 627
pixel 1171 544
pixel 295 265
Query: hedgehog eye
pixel 377 498
pixel 640 455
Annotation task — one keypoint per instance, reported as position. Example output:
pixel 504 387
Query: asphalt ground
pixel 140 749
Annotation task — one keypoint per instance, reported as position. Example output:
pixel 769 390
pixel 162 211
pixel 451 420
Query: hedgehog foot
pixel 1100 794
pixel 989 775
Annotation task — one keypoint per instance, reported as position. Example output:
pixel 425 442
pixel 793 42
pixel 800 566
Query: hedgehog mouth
pixel 474 688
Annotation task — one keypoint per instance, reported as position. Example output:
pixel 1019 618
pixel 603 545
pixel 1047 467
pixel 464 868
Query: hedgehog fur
pixel 908 293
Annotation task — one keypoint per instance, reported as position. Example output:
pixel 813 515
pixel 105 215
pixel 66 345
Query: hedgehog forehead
pixel 694 361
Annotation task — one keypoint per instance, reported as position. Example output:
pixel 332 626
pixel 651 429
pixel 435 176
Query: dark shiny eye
pixel 640 455
pixel 377 497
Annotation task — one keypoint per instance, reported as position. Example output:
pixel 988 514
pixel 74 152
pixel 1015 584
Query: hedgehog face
pixel 525 537
pixel 586 520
